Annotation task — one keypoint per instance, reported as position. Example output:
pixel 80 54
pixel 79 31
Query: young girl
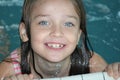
pixel 50 31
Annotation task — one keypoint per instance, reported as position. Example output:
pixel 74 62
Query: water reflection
pixel 4 43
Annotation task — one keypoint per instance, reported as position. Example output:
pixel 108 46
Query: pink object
pixel 15 62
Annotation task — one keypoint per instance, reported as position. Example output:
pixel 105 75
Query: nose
pixel 56 31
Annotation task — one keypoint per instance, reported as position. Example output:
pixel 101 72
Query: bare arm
pixel 97 63
pixel 6 69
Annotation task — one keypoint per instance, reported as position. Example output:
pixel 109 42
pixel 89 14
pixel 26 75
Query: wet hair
pixel 80 56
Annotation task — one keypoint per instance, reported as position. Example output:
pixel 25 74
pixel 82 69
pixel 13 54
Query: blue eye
pixel 69 24
pixel 44 23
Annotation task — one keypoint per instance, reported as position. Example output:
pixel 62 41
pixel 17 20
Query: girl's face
pixel 55 29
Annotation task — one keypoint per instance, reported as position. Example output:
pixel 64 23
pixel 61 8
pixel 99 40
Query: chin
pixel 55 60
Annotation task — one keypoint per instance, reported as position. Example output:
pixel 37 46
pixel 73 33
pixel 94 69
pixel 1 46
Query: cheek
pixel 73 37
pixel 35 41
pixel 36 37
pixel 37 34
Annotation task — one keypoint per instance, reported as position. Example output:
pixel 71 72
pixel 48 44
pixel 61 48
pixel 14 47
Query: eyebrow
pixel 74 17
pixel 41 15
pixel 69 16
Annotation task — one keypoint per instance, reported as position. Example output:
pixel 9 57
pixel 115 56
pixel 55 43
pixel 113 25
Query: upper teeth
pixel 55 45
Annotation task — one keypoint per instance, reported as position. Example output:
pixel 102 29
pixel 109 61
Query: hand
pixel 20 77
pixel 113 70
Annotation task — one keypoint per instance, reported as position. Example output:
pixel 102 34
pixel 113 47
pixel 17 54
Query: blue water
pixel 103 25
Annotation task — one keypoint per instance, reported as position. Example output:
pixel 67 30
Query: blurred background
pixel 103 25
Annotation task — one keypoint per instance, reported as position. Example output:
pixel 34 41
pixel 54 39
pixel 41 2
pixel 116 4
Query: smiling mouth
pixel 55 46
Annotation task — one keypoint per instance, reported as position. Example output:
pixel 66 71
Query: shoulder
pixel 15 55
pixel 6 66
pixel 97 63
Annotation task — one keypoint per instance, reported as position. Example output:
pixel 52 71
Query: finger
pixel 27 77
pixel 20 77
pixel 119 69
pixel 115 68
pixel 31 76
pixel 2 78
pixel 13 78
pixel 7 78
pixel 109 70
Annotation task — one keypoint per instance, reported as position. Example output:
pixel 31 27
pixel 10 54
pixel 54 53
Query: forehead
pixel 60 3
pixel 51 6
pixel 53 1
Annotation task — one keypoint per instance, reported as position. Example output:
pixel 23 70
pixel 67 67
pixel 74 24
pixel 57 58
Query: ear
pixel 22 31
